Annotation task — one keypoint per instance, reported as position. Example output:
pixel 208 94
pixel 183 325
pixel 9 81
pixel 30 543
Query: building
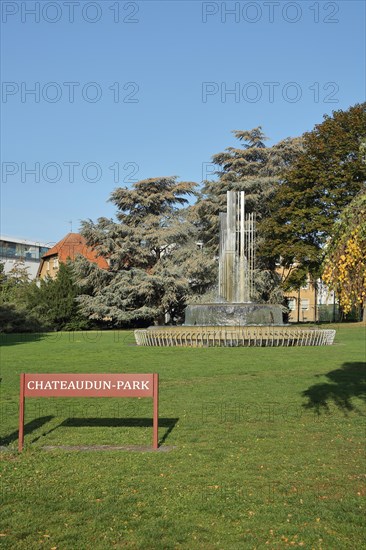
pixel 14 250
pixel 69 247
pixel 311 303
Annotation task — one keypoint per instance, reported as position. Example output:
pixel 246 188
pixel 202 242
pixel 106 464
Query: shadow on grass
pixel 168 423
pixel 28 428
pixel 15 338
pixel 344 384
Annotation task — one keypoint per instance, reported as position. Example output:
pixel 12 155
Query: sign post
pixel 89 385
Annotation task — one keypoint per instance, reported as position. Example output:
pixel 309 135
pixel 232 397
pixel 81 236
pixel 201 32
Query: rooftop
pixel 19 240
pixel 72 245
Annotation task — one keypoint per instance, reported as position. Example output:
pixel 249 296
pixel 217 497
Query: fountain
pixel 234 320
pixel 236 269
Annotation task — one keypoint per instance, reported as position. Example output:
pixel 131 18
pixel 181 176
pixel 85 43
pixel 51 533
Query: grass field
pixel 266 448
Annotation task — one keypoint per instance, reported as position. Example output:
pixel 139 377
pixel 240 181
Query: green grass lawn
pixel 267 448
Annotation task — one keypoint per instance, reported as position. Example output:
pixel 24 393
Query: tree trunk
pixel 160 320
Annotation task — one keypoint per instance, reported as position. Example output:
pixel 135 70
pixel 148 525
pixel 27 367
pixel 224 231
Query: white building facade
pixel 14 250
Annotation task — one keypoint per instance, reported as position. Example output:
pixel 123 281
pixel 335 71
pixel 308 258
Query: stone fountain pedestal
pixel 233 314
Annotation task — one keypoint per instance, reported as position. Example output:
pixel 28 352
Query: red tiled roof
pixel 72 245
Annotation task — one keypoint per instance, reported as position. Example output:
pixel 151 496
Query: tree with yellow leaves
pixel 345 261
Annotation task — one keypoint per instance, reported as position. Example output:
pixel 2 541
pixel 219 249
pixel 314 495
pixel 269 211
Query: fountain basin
pixel 233 314
pixel 250 336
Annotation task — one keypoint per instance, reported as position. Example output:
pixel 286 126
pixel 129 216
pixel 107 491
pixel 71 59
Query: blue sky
pixel 130 90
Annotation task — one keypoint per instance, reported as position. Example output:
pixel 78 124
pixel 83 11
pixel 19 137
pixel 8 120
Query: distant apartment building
pixel 311 303
pixel 14 250
pixel 72 245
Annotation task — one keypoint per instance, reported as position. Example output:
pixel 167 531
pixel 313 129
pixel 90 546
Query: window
pixel 31 252
pixel 8 250
pixel 304 305
pixel 28 252
pixel 292 304
pixel 55 263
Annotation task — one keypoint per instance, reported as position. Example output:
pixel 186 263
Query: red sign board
pixel 89 385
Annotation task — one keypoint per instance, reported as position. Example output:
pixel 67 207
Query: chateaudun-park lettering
pixel 86 385
pixel 89 385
